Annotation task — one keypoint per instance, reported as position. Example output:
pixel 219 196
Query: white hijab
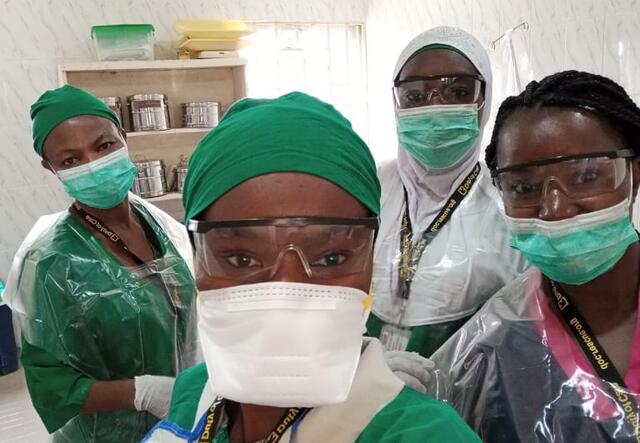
pixel 428 189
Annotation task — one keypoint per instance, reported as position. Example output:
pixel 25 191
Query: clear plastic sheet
pixel 516 374
pixel 468 261
pixel 83 312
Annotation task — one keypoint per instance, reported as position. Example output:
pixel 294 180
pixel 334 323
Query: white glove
pixel 153 394
pixel 412 368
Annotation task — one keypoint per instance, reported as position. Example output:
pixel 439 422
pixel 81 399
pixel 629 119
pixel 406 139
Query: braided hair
pixel 575 89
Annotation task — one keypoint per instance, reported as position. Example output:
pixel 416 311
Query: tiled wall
pixel 37 35
pixel 600 36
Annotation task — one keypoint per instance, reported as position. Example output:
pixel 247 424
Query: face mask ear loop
pixel 631 200
pixel 367 304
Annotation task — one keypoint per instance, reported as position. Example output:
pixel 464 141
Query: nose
pixel 434 97
pixel 555 204
pixel 291 266
pixel 94 156
pixel 88 158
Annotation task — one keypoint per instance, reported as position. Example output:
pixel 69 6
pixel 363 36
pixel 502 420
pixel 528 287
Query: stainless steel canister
pixel 115 104
pixel 150 180
pixel 200 114
pixel 149 112
pixel 181 174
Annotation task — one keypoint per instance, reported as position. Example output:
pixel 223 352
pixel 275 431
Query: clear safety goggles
pixel 578 176
pixel 452 90
pixel 252 250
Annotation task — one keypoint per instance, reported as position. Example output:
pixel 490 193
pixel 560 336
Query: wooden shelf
pixel 174 131
pixel 219 80
pixel 166 197
pixel 170 203
pixel 150 65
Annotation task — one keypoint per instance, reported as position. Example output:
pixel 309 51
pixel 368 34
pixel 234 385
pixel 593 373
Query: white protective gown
pixel 470 258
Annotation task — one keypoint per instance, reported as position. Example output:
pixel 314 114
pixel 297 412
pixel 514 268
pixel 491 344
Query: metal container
pixel 200 114
pixel 149 112
pixel 150 180
pixel 115 105
pixel 181 175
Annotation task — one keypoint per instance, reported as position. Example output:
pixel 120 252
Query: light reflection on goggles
pixel 580 176
pixel 252 250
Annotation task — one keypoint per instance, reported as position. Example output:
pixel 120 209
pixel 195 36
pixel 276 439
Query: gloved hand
pixel 153 394
pixel 412 368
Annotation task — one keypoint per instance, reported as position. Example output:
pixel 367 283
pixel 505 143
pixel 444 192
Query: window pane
pixel 324 60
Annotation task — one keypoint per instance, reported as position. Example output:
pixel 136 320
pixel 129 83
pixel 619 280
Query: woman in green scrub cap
pixel 282 202
pixel 103 292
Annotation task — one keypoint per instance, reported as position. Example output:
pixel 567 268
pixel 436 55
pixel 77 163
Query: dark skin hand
pixel 439 62
pixel 280 195
pixel 609 302
pixel 77 141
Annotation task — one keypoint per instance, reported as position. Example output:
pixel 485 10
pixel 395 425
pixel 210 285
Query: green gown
pixel 85 317
pixel 378 409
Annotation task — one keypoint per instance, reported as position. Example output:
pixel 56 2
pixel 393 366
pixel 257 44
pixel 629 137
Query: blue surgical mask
pixel 578 249
pixel 102 183
pixel 438 136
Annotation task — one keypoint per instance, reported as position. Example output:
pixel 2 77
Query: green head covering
pixel 292 133
pixel 57 105
pixel 438 46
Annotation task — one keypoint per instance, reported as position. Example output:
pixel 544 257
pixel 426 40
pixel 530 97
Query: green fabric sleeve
pixel 58 391
pixel 186 395
pixel 415 418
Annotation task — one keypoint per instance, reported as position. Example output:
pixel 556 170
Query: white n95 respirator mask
pixel 282 344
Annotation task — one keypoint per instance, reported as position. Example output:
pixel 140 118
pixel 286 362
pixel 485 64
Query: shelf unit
pixel 221 80
pixel 169 132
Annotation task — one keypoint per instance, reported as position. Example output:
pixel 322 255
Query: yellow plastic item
pixel 210 44
pixel 212 29
pixel 183 55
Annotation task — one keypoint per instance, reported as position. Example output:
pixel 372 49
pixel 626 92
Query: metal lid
pixel 136 97
pixel 194 104
pixel 113 101
pixel 146 163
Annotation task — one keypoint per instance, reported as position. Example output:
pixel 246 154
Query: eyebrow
pixel 96 142
pixel 103 135
pixel 65 152
pixel 244 232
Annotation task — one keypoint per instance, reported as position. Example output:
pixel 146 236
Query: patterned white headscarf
pixel 428 189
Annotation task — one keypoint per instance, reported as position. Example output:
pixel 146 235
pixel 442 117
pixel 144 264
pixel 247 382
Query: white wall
pixel 37 35
pixel 599 36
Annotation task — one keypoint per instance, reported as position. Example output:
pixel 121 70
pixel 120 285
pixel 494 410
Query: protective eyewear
pixel 578 176
pixel 453 90
pixel 252 250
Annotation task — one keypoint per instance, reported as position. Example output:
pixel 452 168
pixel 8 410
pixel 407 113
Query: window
pixel 324 60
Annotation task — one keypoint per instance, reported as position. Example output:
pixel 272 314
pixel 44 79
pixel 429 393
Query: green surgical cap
pixel 438 46
pixel 292 133
pixel 57 105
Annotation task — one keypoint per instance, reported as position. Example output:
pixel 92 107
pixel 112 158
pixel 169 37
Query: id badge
pixel 395 338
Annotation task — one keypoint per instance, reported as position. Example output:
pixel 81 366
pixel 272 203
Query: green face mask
pixel 575 250
pixel 102 183
pixel 438 136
